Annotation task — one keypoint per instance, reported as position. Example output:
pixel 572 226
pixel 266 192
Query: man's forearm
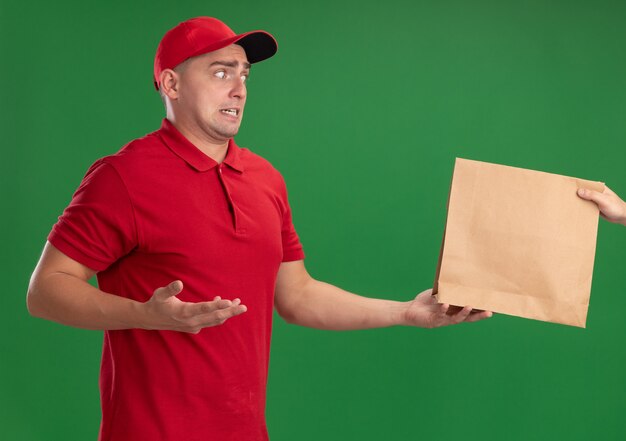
pixel 68 300
pixel 324 306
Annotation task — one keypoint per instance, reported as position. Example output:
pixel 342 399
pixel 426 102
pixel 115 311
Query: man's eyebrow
pixel 229 64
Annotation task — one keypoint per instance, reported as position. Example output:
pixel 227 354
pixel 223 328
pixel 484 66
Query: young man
pixel 185 231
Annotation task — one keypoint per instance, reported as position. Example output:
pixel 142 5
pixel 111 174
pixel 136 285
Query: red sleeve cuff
pixel 72 252
pixel 290 256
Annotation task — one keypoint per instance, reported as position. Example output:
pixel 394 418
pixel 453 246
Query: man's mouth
pixel 231 112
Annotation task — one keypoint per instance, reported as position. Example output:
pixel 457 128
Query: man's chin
pixel 228 132
pixel 229 135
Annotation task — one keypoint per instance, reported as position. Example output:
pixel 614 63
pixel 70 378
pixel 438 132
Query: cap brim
pixel 259 45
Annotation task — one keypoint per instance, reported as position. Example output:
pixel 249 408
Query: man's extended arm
pixel 302 300
pixel 59 291
pixel 612 208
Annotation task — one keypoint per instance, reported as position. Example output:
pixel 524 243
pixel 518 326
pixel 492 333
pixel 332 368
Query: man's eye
pixel 244 78
pixel 220 74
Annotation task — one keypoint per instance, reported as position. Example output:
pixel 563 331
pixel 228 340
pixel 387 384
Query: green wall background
pixel 363 109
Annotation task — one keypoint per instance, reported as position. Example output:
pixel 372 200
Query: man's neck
pixel 215 150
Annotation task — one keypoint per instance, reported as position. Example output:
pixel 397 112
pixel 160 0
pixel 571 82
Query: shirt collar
pixel 192 155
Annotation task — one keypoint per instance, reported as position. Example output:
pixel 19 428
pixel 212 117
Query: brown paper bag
pixel 518 242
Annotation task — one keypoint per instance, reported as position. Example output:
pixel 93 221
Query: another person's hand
pixel 165 312
pixel 425 312
pixel 612 208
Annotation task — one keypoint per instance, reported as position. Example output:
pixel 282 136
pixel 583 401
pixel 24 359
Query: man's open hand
pixel 425 312
pixel 166 312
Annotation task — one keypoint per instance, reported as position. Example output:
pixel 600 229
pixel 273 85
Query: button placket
pixel 231 204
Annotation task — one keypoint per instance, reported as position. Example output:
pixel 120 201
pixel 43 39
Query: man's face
pixel 212 92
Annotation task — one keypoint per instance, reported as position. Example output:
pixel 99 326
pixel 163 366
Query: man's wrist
pixel 139 316
pixel 399 313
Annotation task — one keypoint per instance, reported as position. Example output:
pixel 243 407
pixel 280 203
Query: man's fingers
pixel 590 195
pixel 224 314
pixel 215 306
pixel 443 308
pixel 612 208
pixel 218 316
pixel 197 316
pixel 454 310
pixel 462 315
pixel 584 193
pixel 165 312
pixel 476 316
pixel 194 309
pixel 171 290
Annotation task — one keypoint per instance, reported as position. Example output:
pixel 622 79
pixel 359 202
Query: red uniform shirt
pixel 160 210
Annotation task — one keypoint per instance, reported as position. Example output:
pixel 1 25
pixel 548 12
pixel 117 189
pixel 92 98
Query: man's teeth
pixel 229 112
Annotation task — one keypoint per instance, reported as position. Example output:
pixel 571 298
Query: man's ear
pixel 169 83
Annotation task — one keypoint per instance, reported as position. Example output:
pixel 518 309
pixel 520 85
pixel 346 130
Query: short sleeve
pixel 292 248
pixel 98 226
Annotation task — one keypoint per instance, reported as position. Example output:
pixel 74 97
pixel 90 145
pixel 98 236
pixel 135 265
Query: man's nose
pixel 238 88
